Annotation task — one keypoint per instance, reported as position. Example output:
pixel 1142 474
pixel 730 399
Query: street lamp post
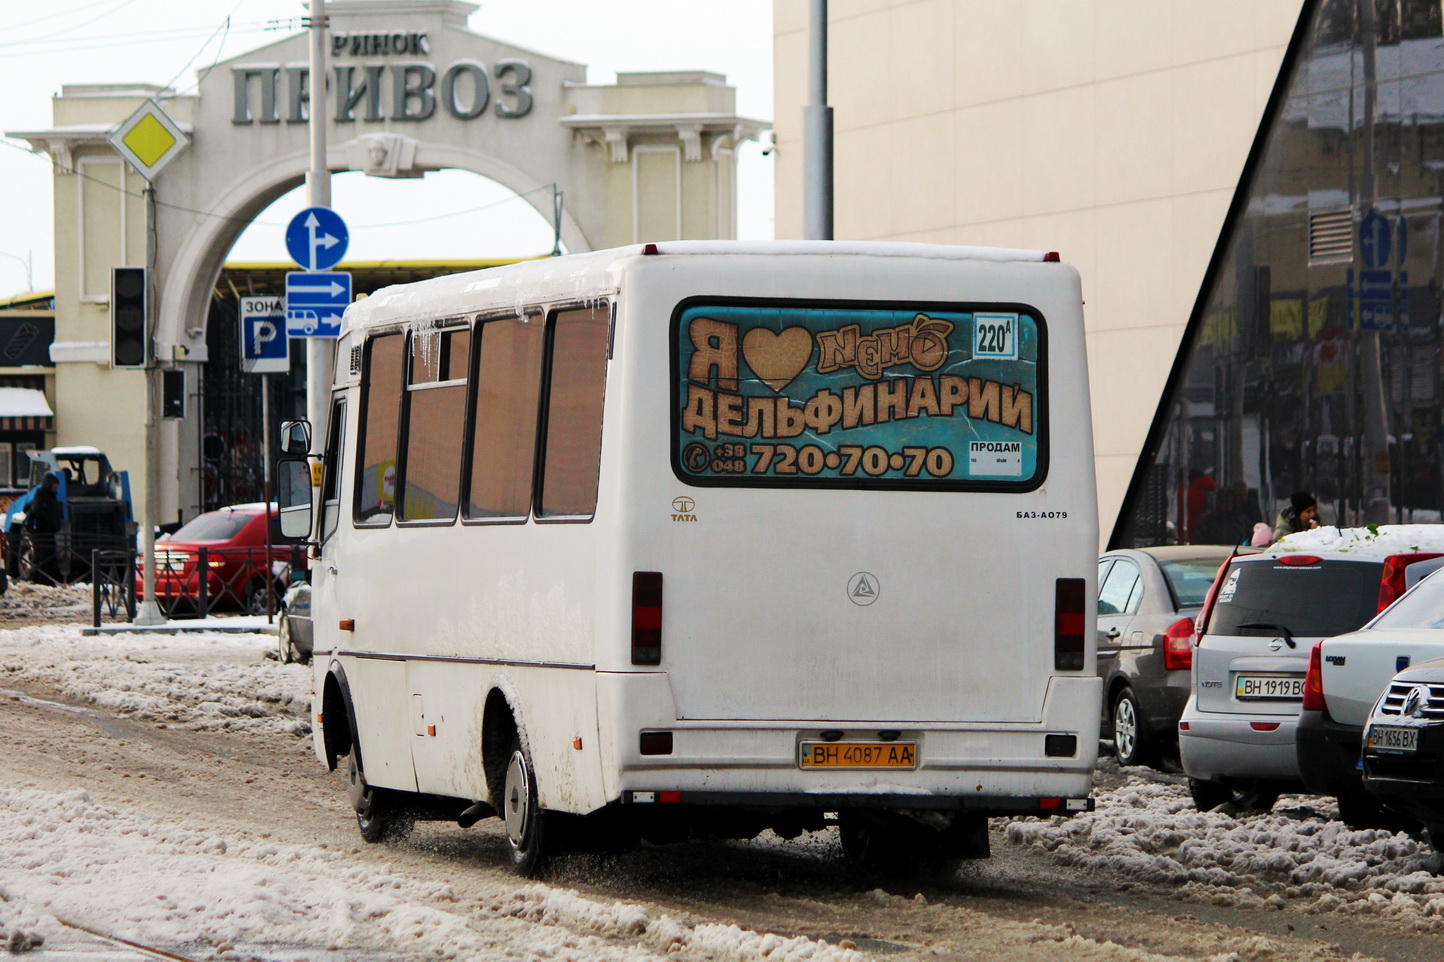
pixel 319 350
pixel 29 274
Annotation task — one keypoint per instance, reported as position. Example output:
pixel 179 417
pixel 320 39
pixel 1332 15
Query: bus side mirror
pixel 295 438
pixel 293 494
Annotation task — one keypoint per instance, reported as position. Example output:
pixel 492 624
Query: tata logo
pixel 683 508
pixel 863 588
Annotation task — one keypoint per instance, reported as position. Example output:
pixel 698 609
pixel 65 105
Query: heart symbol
pixel 777 358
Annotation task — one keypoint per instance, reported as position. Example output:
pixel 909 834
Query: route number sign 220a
pixel 995 336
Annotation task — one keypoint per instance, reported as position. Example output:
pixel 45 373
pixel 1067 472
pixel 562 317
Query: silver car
pixel 294 631
pixel 1147 601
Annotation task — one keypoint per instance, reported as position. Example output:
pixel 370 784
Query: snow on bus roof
pixel 455 293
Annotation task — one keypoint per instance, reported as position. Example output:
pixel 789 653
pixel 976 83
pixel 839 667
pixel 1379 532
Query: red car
pixel 239 570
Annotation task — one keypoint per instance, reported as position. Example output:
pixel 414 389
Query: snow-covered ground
pixel 65 855
pixel 1297 855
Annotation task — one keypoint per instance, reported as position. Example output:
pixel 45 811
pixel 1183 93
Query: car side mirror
pixel 295 438
pixel 293 495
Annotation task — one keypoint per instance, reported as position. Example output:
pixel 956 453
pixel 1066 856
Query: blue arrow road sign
pixel 316 238
pixel 315 301
pixel 264 347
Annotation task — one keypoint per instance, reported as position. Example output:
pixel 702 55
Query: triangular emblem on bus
pixel 864 589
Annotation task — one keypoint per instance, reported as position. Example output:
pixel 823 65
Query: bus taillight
pixel 1068 624
pixel 646 617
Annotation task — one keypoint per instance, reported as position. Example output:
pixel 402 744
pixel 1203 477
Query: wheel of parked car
pixel 256 597
pixel 27 565
pixel 12 550
pixel 1243 796
pixel 1133 743
pixel 1362 810
pixel 283 639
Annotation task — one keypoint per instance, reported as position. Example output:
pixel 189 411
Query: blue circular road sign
pixel 316 238
pixel 1374 240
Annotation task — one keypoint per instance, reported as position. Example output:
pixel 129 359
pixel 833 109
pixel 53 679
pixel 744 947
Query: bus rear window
pixel 848 395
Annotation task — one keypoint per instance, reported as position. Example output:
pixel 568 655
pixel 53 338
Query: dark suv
pixel 1404 747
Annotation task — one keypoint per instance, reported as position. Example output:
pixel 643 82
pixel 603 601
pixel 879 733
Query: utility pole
pixel 817 133
pixel 148 614
pixel 320 351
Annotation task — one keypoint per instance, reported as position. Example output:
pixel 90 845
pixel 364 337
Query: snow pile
pixel 624 921
pixel 1289 856
pixel 187 887
pixel 201 681
pixel 28 599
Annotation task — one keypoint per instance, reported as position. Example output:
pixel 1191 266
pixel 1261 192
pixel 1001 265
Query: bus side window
pixel 435 417
pixel 330 480
pixel 504 418
pixel 375 492
pixel 572 453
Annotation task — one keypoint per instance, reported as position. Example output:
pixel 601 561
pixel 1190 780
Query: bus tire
pixel 378 815
pixel 876 842
pixel 526 823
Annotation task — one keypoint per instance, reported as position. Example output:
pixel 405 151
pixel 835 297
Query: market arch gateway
pixel 410 90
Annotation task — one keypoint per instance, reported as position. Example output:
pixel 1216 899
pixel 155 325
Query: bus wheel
pixel 377 814
pixel 888 843
pixel 526 824
pixel 875 841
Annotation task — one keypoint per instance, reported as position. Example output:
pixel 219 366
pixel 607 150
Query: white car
pixel 1346 675
pixel 1236 737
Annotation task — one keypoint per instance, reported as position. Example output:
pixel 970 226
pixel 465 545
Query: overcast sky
pixel 45 45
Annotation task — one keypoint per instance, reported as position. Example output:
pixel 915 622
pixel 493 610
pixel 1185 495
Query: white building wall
pixel 1112 131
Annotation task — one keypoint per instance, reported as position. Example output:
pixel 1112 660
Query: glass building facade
pixel 1312 359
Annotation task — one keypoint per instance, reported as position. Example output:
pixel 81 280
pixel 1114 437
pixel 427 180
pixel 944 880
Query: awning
pixel 24 409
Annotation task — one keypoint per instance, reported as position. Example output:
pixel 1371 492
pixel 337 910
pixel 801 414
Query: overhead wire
pixel 51 16
pixel 71 44
pixel 119 6
pixel 224 30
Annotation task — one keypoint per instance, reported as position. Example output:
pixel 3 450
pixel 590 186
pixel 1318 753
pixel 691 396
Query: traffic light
pixel 173 393
pixel 127 317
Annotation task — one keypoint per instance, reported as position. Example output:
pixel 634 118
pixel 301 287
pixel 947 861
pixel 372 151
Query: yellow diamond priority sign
pixel 149 140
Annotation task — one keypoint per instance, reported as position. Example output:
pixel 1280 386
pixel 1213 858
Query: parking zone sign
pixel 265 348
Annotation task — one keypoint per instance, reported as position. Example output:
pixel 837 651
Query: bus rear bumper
pixel 1006 805
pixel 997 767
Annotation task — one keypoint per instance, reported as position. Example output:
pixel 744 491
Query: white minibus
pixel 709 538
